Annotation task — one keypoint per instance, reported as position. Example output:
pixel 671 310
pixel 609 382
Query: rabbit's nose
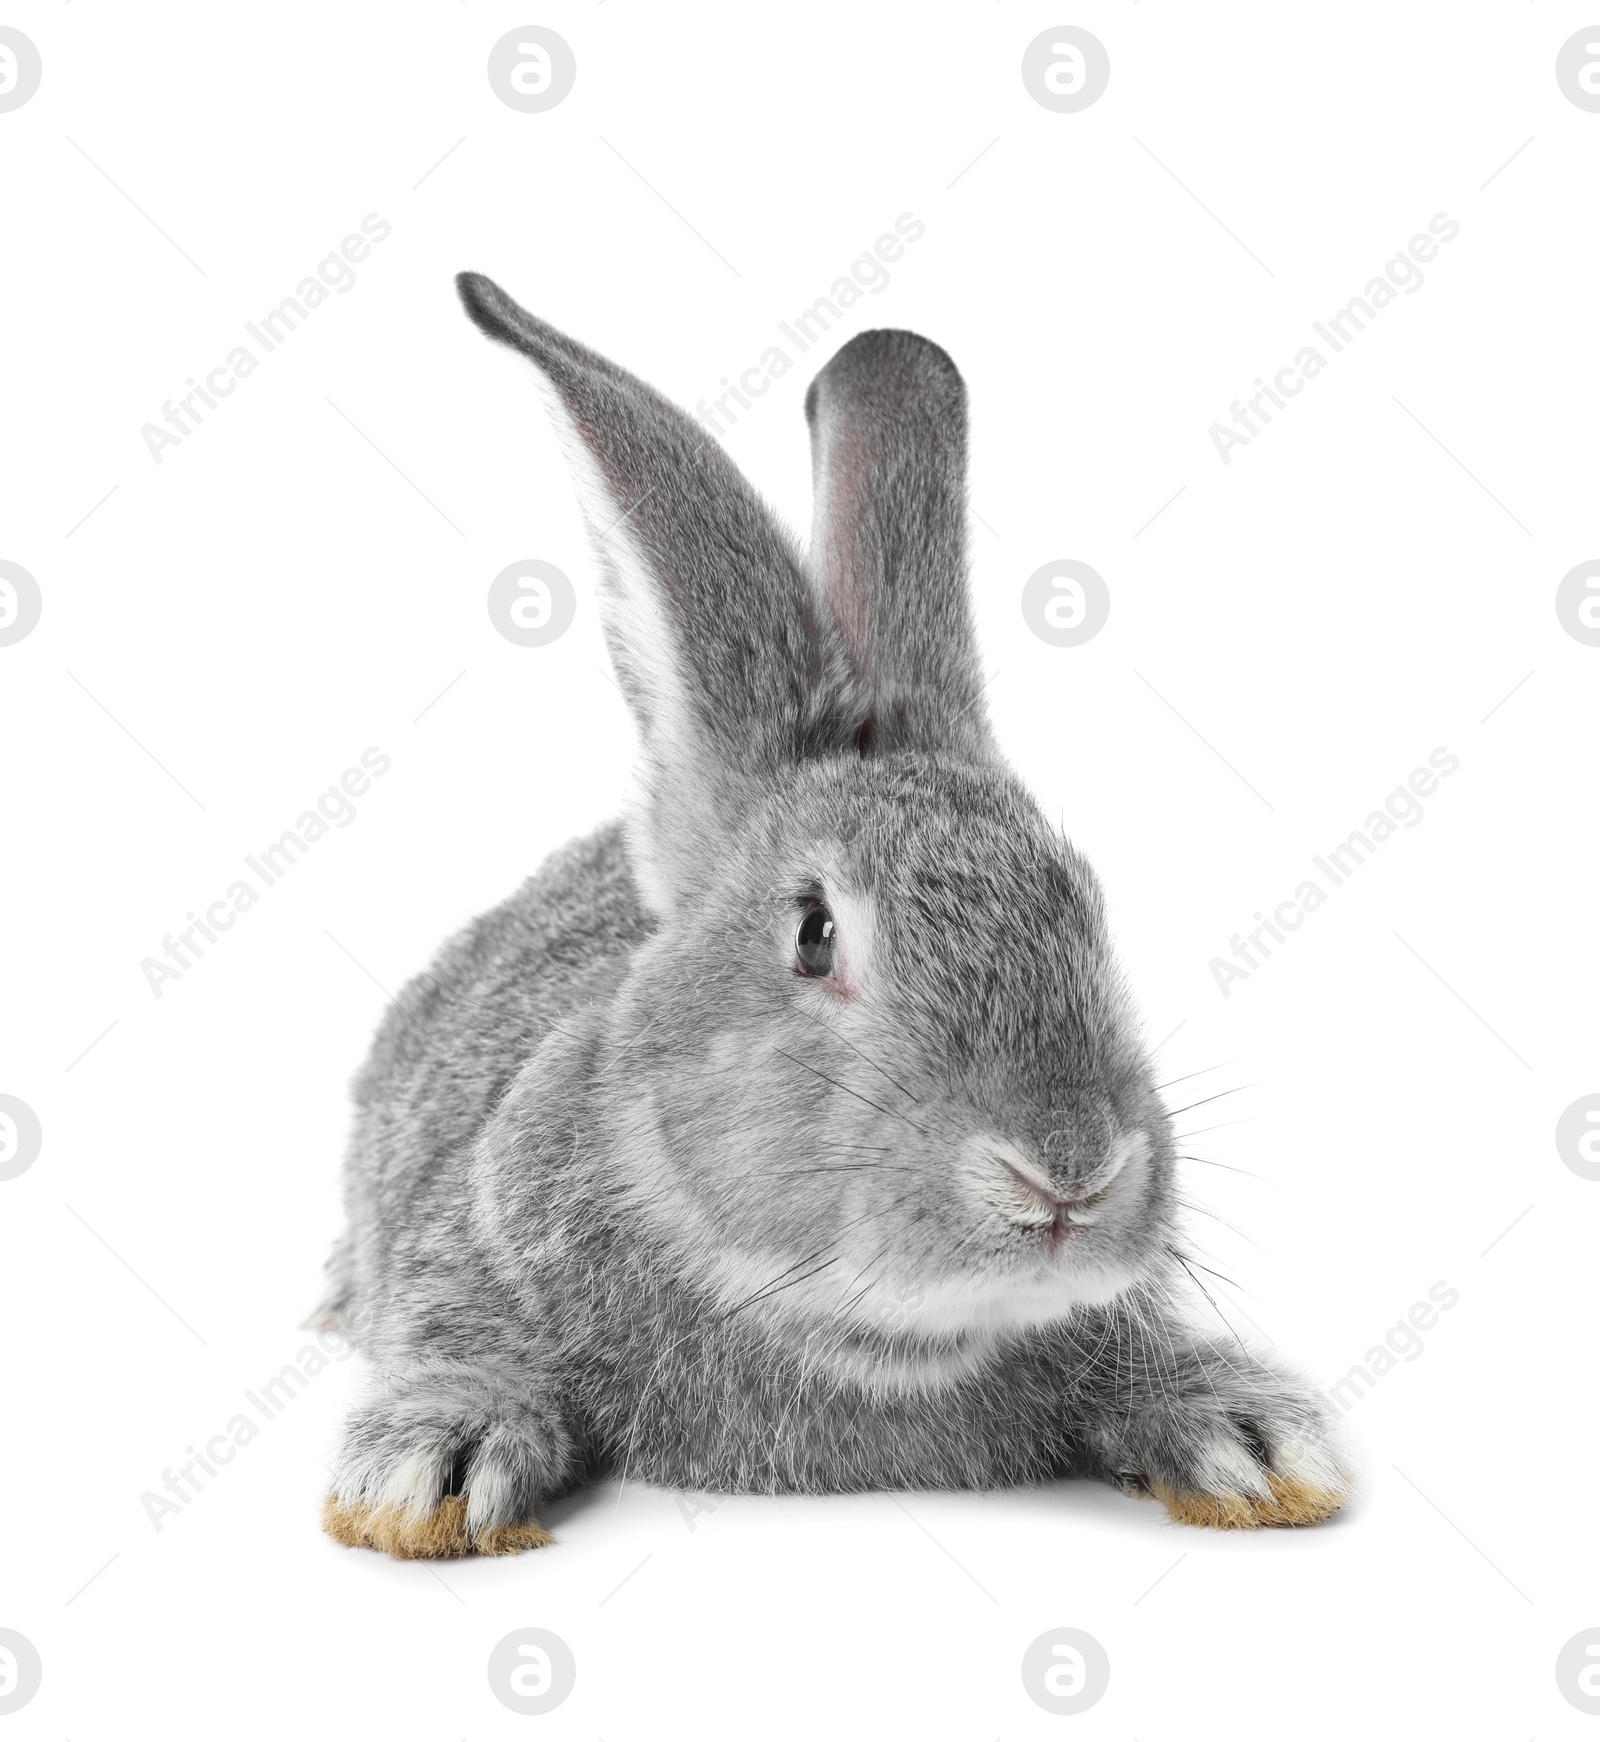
pixel 1081 1175
pixel 1056 1203
pixel 1027 1194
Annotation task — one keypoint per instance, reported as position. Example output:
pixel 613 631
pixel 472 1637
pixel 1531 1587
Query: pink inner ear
pixel 855 431
pixel 845 583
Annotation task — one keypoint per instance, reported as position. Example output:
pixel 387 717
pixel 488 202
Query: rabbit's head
pixel 875 1067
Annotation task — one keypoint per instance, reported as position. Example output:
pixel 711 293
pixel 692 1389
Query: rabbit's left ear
pixel 730 671
pixel 888 551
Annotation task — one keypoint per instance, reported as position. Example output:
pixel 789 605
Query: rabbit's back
pixel 454 1039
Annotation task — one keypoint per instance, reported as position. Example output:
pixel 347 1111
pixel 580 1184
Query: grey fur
pixel 627 1193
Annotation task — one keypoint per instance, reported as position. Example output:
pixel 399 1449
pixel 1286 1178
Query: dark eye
pixel 814 945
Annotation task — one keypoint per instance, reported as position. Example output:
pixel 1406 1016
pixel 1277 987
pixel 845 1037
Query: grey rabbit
pixel 795 1134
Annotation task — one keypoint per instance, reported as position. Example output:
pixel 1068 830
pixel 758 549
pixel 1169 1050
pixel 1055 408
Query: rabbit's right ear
pixel 888 553
pixel 713 631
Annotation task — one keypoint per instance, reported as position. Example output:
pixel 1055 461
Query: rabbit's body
pixel 451 1046
pixel 675 1391
pixel 797 1135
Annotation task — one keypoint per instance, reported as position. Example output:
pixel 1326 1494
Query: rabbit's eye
pixel 814 943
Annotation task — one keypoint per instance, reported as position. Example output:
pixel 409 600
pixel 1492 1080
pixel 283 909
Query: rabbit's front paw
pixel 441 1532
pixel 440 1466
pixel 1265 1461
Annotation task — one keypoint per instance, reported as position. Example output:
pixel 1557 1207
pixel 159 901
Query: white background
pixel 1322 612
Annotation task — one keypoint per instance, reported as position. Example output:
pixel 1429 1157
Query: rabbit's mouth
pixel 1040 1209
